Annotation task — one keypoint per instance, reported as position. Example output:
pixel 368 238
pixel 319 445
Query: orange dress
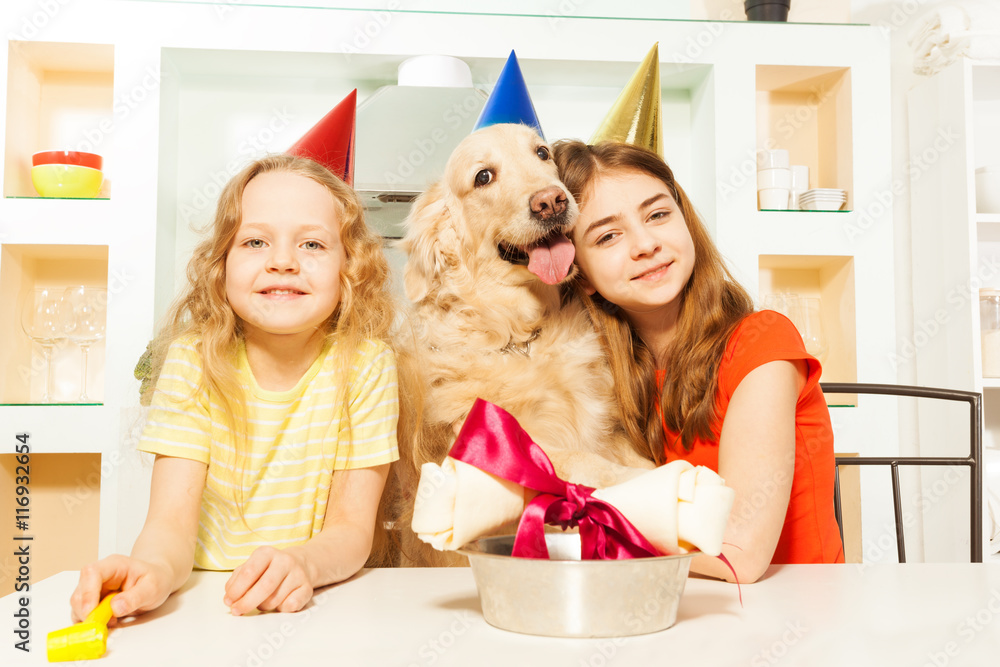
pixel 810 533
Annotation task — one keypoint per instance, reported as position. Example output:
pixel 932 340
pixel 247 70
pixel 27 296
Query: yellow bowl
pixel 66 180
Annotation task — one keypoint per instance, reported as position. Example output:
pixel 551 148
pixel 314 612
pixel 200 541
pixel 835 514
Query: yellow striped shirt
pixel 296 439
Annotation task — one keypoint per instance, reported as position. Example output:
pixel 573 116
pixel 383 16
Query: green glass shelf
pixel 795 210
pixel 72 198
pixel 45 405
pixel 387 10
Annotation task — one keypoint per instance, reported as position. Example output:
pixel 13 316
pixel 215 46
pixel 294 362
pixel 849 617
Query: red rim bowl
pixel 92 160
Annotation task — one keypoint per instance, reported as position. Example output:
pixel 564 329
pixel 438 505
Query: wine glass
pixel 86 319
pixel 42 321
pixel 811 328
pixel 786 303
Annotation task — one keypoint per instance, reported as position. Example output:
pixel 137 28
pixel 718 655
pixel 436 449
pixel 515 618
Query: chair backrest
pixel 973 461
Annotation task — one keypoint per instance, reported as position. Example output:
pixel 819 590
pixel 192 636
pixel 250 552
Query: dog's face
pixel 499 205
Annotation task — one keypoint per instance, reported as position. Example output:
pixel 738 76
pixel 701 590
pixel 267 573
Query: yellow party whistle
pixel 84 641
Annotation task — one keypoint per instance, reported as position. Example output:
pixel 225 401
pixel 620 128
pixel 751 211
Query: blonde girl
pixel 700 376
pixel 273 418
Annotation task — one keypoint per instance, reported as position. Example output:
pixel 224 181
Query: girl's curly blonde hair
pixel 365 311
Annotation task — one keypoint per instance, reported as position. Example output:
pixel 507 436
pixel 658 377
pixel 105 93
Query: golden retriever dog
pixel 486 252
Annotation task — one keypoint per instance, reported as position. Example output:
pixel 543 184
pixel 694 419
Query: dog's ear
pixel 430 243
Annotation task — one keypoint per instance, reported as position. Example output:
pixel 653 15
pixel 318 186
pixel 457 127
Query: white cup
pixel 774 178
pixel 773 199
pixel 771 159
pixel 800 177
pixel 800 184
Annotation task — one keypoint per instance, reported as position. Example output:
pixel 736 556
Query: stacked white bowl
pixel 823 199
pixel 774 180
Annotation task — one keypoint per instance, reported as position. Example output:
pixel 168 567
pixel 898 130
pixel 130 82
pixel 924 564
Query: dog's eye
pixel 543 153
pixel 484 177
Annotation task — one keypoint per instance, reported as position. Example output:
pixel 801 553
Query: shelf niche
pixel 830 278
pixel 60 96
pixel 986 122
pixel 23 268
pixel 807 111
pixel 991 413
pixel 64 516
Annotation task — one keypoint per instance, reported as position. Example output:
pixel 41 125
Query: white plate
pixel 822 196
pixel 821 206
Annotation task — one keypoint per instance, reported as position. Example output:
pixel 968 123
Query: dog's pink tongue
pixel 550 260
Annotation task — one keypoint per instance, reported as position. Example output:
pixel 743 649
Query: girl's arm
pixel 757 460
pixel 163 554
pixel 284 579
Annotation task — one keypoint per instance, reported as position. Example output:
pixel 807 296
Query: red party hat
pixel 331 141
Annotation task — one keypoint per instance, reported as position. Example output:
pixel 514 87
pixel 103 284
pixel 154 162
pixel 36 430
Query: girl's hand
pixel 284 579
pixel 271 579
pixel 144 586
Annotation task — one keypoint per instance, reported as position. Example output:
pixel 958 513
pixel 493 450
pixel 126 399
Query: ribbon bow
pixel 493 441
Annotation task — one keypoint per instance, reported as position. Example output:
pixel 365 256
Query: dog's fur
pixel 482 325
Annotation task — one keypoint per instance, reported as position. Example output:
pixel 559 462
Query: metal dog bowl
pixel 569 597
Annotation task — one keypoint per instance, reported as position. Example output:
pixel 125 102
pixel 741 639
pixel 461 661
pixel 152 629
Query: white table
pixel 884 615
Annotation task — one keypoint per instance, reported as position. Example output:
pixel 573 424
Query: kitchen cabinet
pixel 954 128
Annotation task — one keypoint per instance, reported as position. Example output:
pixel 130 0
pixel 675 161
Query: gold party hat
pixel 635 116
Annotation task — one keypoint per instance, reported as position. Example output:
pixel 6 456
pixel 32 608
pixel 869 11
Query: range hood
pixel 405 134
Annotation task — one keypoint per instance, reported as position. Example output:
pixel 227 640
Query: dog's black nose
pixel 548 203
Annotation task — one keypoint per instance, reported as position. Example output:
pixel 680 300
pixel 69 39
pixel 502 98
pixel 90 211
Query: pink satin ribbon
pixel 493 441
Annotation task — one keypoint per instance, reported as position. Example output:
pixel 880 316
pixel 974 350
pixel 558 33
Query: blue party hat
pixel 509 102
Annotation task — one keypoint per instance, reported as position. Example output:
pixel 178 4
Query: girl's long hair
pixel 712 304
pixel 365 311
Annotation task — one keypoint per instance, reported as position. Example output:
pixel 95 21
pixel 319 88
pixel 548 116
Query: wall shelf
pixel 64 429
pixel 787 211
pixel 59 97
pixel 64 509
pixel 807 111
pixel 23 268
pixel 831 280
pixel 63 198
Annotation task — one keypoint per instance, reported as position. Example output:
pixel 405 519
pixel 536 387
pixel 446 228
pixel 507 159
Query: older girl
pixel 700 375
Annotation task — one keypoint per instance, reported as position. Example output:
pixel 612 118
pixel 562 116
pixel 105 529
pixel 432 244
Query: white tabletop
pixel 885 615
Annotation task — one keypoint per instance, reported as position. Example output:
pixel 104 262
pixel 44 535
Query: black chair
pixel 973 461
